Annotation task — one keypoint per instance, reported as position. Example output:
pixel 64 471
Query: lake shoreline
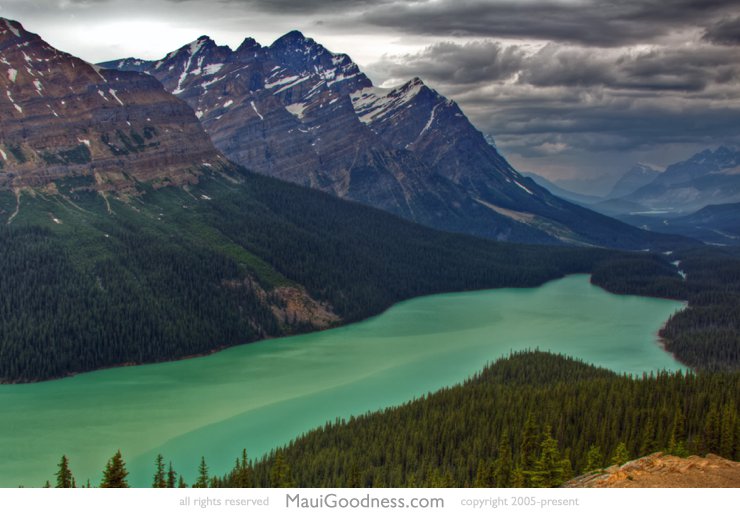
pixel 243 396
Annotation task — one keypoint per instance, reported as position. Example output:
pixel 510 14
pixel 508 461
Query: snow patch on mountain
pixel 254 108
pixel 296 109
pixel 374 103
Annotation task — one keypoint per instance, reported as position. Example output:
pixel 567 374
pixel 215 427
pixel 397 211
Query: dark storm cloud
pixel 724 32
pixel 565 98
pixel 592 22
pixel 558 82
pixel 691 68
pixel 451 63
pixel 476 64
pixel 305 6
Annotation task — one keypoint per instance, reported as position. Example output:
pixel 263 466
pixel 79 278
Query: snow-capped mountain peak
pixel 297 111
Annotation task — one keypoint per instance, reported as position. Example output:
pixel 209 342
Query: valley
pixel 262 395
pixel 261 249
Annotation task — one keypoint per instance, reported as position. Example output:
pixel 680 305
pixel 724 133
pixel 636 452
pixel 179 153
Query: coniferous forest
pixel 705 336
pixel 175 275
pixel 179 276
pixel 172 275
pixel 530 420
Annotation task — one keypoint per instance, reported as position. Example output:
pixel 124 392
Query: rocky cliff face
pixel 296 111
pixel 659 470
pixel 63 118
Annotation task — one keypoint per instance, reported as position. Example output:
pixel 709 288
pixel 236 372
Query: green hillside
pixel 91 281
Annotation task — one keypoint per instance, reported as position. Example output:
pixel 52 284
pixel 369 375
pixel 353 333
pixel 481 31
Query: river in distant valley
pixel 262 395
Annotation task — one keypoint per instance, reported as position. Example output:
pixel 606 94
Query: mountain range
pixel 709 177
pixel 127 237
pixel 296 111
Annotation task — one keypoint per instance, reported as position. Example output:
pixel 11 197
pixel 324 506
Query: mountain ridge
pixel 65 118
pixel 297 111
pixel 709 177
pixel 133 248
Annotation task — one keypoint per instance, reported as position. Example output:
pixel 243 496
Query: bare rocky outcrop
pixel 660 470
pixel 291 305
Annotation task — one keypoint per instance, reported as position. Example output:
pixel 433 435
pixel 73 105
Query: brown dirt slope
pixel 660 470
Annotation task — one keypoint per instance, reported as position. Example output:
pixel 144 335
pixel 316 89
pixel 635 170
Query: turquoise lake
pixel 262 395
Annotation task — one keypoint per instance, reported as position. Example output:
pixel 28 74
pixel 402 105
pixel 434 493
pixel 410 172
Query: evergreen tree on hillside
pixel 159 480
pixel 549 470
pixel 202 480
pixel 484 476
pixel 529 448
pixel 242 473
pixel 503 466
pixel 280 473
pixel 620 455
pixel 171 477
pixel 115 472
pixel 676 441
pixel 727 430
pixel 64 475
pixel 711 434
pixel 594 459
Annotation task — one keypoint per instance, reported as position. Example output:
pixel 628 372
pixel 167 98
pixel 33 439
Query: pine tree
pixel 594 459
pixel 528 451
pixel 647 444
pixel 530 444
pixel 159 477
pixel 181 483
pixel 354 478
pixel 64 475
pixel 439 480
pixel 484 475
pixel 171 477
pixel 502 468
pixel 549 467
pixel 711 434
pixel 676 445
pixel 202 481
pixel 727 431
pixel 517 478
pixel 620 455
pixel 242 476
pixel 115 472
pixel 280 473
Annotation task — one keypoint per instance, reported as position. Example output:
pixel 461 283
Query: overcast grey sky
pixel 567 88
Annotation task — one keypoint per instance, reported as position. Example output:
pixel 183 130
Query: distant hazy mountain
pixel 638 176
pixel 707 178
pixel 563 192
pixel 296 111
pixel 590 185
pixel 714 224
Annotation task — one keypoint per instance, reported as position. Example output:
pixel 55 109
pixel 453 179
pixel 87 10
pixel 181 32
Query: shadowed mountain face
pixel 62 117
pixel 638 176
pixel 300 113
